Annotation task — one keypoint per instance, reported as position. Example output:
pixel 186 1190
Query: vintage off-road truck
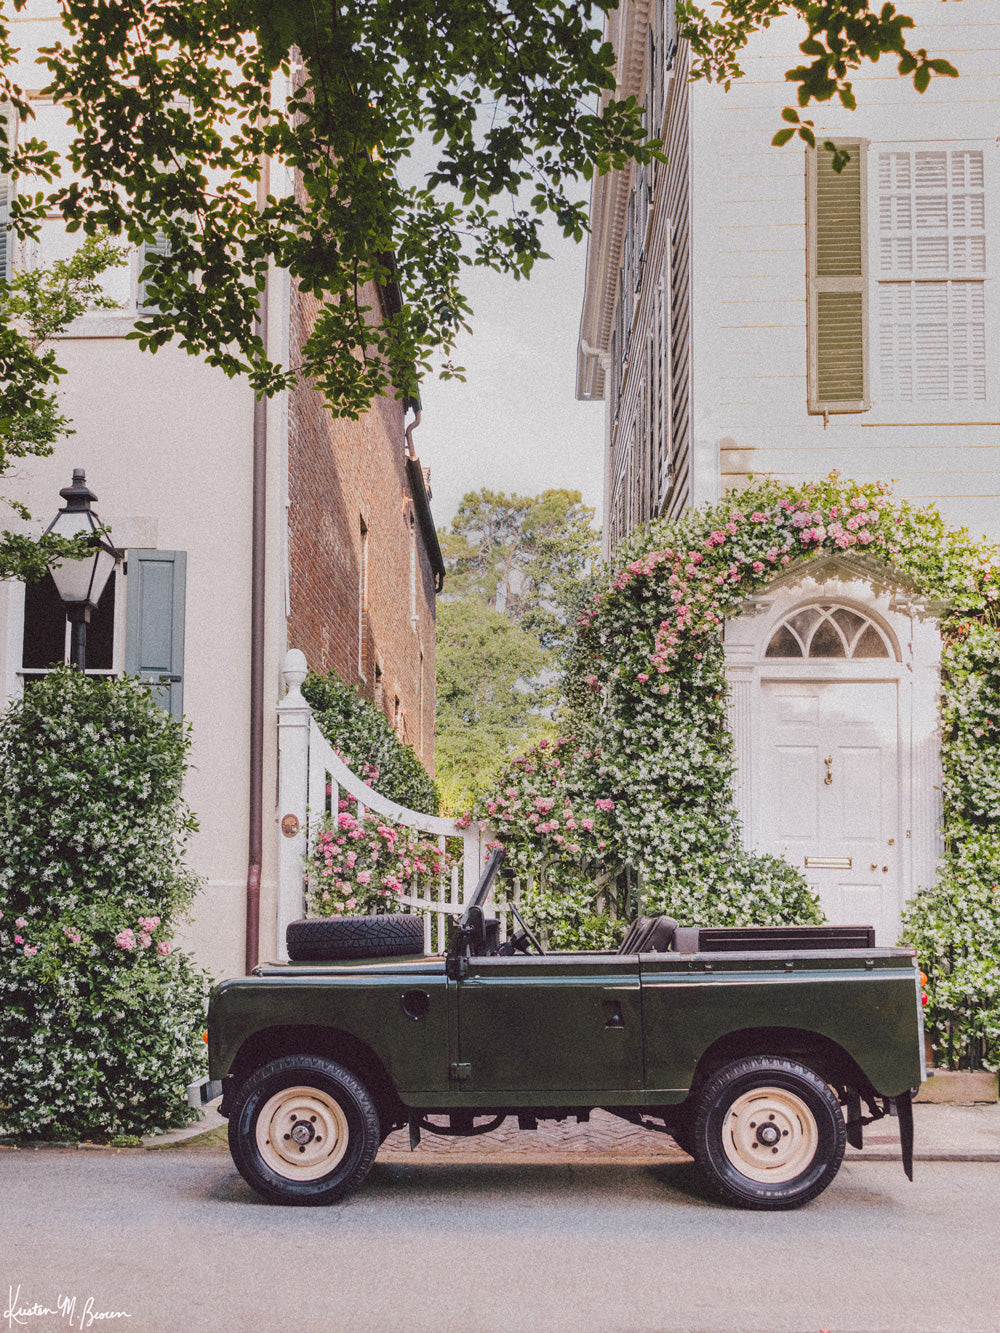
pixel 760 1050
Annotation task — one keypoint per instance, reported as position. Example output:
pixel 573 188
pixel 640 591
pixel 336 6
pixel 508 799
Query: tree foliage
pixel 528 557
pixel 485 707
pixel 519 567
pixel 841 36
pixel 174 105
pixel 36 306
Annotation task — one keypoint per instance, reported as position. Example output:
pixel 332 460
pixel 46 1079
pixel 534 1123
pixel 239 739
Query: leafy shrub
pixel 563 833
pixel 362 736
pixel 100 1016
pixel 649 690
pixel 363 866
pixel 955 928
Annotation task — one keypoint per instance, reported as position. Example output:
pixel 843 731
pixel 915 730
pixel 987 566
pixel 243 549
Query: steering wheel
pixel 525 936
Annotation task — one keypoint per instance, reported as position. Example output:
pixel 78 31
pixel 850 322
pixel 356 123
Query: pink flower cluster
pixel 363 863
pixel 128 940
pixel 536 801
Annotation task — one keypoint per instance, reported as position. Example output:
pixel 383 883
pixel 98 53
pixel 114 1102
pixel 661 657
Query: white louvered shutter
pixel 837 296
pixel 931 270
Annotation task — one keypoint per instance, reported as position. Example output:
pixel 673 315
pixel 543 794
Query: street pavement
pixel 171 1241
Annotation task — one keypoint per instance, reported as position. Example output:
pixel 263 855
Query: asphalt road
pixel 170 1241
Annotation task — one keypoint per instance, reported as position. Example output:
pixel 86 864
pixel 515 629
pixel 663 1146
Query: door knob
pixel 874 865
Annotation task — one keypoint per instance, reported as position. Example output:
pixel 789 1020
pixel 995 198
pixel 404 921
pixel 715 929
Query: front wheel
pixel 768 1133
pixel 303 1130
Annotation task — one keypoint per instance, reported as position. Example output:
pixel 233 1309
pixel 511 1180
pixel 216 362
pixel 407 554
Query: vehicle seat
pixel 649 934
pixel 636 930
pixel 686 939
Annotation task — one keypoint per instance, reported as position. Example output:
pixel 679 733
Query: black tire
pixel 339 1138
pixel 354 937
pixel 768 1133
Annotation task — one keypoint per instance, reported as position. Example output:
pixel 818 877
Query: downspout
pixel 257 589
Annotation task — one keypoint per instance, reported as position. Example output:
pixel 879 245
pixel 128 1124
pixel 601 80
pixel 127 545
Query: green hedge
pixel 100 1014
pixel 362 736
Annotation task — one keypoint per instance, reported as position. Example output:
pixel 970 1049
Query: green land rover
pixel 762 1051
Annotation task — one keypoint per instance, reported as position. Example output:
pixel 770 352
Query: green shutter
pixel 154 624
pixel 837 296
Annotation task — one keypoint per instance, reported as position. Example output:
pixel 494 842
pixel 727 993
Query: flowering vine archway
pixel 649 696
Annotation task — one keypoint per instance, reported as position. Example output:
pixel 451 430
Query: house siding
pixel 732 210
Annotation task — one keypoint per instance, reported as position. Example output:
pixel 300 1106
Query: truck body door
pixel 558 1024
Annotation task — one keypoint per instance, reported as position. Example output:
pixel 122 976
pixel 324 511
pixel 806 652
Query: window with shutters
pixel 837 296
pixel 930 321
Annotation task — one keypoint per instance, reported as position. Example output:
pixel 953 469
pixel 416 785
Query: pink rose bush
pixel 366 865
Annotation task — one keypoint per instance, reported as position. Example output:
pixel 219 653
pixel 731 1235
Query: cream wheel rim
pixel 302 1133
pixel 770 1135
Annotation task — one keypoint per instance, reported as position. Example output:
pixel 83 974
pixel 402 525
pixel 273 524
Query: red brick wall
pixel 342 473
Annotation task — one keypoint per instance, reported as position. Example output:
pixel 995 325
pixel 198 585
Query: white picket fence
pixel 311 781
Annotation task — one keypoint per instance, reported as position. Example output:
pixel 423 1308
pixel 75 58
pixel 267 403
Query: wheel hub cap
pixel 302 1133
pixel 770 1135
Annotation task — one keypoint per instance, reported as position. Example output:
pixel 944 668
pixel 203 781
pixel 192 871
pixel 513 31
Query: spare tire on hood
pixel 387 936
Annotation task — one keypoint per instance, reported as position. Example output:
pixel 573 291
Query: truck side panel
pixel 868 1007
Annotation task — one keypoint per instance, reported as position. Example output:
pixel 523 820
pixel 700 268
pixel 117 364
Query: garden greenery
pixel 362 736
pixel 648 692
pixel 100 1014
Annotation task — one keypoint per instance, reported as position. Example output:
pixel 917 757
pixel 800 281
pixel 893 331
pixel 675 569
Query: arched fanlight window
pixel 828 631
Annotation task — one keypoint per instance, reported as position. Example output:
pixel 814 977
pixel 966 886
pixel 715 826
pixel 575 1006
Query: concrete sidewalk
pixel 942 1133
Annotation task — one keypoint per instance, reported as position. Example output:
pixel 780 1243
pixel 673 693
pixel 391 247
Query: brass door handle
pixel 829 770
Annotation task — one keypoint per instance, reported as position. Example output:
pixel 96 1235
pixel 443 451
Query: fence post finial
pixel 293 672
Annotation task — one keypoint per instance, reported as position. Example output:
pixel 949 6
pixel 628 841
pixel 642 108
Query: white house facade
pixel 749 312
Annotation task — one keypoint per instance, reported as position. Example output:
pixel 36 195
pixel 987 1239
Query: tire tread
pixel 385 936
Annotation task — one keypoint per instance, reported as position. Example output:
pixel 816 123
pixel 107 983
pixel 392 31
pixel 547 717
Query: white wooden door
pixel 829 795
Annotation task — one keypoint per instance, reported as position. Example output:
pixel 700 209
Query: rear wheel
pixel 768 1133
pixel 303 1130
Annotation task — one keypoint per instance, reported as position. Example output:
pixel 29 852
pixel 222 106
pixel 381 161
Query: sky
pixel 515 424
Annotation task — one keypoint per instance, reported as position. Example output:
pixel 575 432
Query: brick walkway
pixel 603 1133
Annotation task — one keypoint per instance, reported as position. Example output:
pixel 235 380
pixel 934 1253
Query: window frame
pixel 20 673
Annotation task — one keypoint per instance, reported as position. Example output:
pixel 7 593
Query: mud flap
pixel 904 1110
pixel 855 1135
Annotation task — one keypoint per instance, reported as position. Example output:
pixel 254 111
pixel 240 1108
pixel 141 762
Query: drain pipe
pixel 257 590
